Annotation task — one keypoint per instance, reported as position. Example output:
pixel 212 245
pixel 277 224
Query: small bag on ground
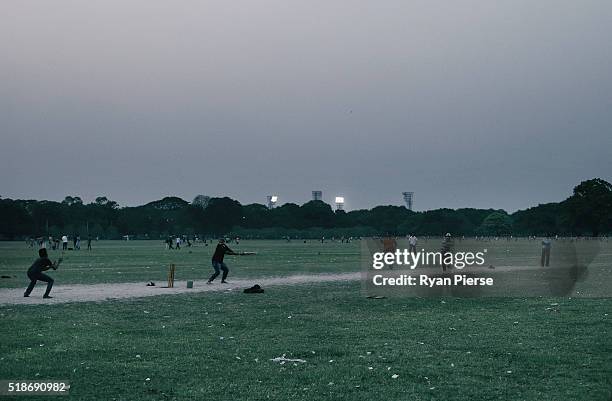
pixel 256 289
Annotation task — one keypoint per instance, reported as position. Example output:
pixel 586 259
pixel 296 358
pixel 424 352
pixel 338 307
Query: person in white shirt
pixel 64 242
pixel 412 242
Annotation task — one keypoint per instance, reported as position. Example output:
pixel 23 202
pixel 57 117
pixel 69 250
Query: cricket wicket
pixel 171 270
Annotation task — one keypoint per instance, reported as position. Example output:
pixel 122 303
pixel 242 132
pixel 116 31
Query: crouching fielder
pixel 35 272
pixel 217 260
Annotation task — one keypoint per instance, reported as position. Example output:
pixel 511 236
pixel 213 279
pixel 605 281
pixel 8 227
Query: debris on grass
pixel 282 359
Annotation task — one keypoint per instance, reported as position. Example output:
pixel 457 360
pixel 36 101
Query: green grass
pixel 142 261
pixel 218 346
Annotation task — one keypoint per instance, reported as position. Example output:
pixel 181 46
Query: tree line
pixel 588 211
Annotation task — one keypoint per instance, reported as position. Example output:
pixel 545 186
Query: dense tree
pixel 222 214
pixel 201 201
pixel 316 213
pixel 72 200
pixel 105 202
pixel 588 212
pixel 497 223
pixel 542 219
pixel 590 205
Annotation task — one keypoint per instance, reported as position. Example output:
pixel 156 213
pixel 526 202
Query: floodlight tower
pixel 408 197
pixel 272 199
pixel 339 203
pixel 317 195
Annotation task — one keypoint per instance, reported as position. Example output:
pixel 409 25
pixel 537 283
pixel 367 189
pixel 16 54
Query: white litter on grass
pixel 395 376
pixel 282 359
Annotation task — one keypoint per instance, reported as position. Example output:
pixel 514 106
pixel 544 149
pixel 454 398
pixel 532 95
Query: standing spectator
pixel 64 242
pixel 412 244
pixel 546 245
pixel 447 248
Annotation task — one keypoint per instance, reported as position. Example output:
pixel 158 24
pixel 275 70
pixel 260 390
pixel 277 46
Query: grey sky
pixel 502 104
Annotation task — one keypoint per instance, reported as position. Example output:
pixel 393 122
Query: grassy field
pixel 219 346
pixel 142 261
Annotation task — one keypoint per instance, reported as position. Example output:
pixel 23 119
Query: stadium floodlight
pixel 272 199
pixel 408 199
pixel 339 202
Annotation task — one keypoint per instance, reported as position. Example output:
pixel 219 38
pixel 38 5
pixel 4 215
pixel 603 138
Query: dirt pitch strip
pixel 104 292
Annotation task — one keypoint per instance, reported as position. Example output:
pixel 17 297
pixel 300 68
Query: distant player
pixel 412 244
pixel 546 245
pixel 89 242
pixel 35 272
pixel 389 245
pixel 217 261
pixel 64 242
pixel 447 248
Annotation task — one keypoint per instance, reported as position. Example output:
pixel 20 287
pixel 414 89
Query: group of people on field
pixel 43 262
pixel 56 243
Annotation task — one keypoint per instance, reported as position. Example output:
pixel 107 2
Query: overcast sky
pixel 501 104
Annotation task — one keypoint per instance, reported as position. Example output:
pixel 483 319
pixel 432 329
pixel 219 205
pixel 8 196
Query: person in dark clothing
pixel 89 243
pixel 447 248
pixel 35 272
pixel 546 245
pixel 217 261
